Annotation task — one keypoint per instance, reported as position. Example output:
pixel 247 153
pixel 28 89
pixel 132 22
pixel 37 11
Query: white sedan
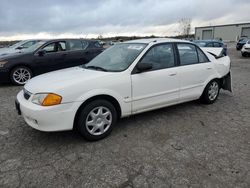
pixel 126 79
pixel 245 51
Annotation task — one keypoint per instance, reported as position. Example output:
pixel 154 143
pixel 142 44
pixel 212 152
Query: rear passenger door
pixel 75 55
pixel 194 71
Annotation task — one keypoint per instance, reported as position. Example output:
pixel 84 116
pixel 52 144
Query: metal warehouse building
pixel 230 32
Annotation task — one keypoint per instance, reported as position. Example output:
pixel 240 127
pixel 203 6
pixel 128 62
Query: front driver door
pixel 53 59
pixel 159 86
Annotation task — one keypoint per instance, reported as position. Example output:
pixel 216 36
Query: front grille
pixel 26 94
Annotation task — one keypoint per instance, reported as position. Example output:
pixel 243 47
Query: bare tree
pixel 100 37
pixel 185 26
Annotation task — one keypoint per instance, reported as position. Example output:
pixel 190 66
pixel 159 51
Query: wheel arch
pixel 220 81
pixel 109 98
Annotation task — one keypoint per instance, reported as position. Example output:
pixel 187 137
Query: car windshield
pixel 200 43
pixel 116 58
pixel 34 47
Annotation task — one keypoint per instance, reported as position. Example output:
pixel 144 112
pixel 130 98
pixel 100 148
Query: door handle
pixel 209 68
pixel 173 74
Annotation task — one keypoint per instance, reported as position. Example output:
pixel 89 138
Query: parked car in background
pixel 241 43
pixel 17 47
pixel 212 44
pixel 245 51
pixel 46 56
pixel 127 78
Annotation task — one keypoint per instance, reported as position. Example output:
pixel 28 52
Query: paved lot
pixel 189 145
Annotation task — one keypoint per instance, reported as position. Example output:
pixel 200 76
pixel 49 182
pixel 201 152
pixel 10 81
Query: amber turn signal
pixel 52 99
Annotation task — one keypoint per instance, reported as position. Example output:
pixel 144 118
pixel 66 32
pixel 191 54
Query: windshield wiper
pixel 96 68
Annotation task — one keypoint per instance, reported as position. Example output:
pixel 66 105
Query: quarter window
pixel 188 54
pixel 160 56
pixel 202 57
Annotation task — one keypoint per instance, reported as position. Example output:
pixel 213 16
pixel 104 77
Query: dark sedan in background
pixel 241 43
pixel 46 56
pixel 212 44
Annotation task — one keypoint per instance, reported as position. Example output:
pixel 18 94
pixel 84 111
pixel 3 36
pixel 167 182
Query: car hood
pixel 61 80
pixel 6 51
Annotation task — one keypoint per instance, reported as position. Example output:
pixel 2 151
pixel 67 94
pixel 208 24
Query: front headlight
pixel 2 63
pixel 46 99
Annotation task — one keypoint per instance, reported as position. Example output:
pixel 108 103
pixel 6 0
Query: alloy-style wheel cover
pixel 21 76
pixel 98 120
pixel 213 91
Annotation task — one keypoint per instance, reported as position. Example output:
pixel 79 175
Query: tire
pixel 211 92
pixel 96 120
pixel 20 75
pixel 244 55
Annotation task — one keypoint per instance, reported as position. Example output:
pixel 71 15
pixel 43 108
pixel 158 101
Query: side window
pixel 202 57
pixel 61 46
pixel 50 47
pixel 188 54
pixel 160 56
pixel 216 44
pixel 55 47
pixel 97 45
pixel 75 45
pixel 210 44
pixel 85 44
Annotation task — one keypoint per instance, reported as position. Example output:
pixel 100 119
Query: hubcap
pixel 98 120
pixel 21 76
pixel 213 91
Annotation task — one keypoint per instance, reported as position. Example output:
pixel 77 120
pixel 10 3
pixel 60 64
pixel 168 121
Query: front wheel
pixel 20 75
pixel 96 120
pixel 211 92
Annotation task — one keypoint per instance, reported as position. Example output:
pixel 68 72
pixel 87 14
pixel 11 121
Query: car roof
pixel 155 40
pixel 66 39
pixel 208 41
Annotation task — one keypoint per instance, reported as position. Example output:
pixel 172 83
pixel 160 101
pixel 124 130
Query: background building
pixel 230 32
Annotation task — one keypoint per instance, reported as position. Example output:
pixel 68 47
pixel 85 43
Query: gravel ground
pixel 188 145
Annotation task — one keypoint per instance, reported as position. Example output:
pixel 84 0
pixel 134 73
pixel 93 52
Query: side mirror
pixel 41 52
pixel 142 67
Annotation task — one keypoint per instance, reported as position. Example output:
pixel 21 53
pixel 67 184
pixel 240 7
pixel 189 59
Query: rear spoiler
pixel 216 52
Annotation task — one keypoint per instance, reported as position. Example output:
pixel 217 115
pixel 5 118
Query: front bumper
pixel 245 50
pixel 53 118
pixel 4 75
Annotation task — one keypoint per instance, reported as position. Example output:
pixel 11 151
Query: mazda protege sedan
pixel 126 79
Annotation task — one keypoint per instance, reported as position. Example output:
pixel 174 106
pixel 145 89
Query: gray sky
pixel 21 19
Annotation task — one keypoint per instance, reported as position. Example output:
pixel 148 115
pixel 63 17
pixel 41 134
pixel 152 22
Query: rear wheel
pixel 211 92
pixel 96 120
pixel 20 75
